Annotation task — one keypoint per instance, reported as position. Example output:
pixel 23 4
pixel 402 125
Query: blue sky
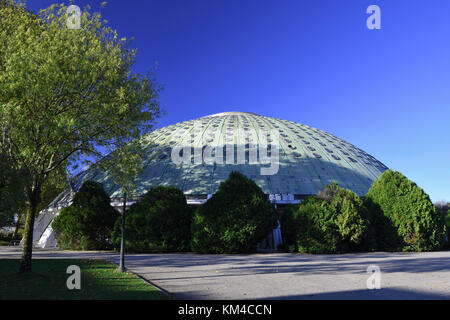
pixel 314 62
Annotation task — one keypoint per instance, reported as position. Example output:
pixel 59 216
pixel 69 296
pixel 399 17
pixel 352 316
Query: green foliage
pixel 87 224
pixel 234 219
pixel 8 237
pixel 66 94
pixel 288 227
pixel 443 208
pixel 447 220
pixel 12 190
pixel 334 221
pixel 159 222
pixel 53 186
pixel 404 217
pixel 124 164
pixel 66 91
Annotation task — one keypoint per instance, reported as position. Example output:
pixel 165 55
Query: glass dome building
pixel 197 155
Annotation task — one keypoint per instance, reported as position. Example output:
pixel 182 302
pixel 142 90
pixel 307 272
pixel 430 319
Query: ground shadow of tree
pixel 382 229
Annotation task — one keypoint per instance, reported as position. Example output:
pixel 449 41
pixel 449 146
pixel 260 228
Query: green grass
pixel 100 280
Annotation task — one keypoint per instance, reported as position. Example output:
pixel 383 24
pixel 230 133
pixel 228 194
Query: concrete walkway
pixel 282 275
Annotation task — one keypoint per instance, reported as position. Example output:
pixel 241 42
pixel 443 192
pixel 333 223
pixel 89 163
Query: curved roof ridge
pixel 230 113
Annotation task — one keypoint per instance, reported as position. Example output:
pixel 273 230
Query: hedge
pixel 234 219
pixel 404 217
pixel 159 222
pixel 88 222
pixel 333 221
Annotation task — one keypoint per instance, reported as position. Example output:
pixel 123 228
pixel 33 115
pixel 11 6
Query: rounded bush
pixel 88 222
pixel 405 219
pixel 333 221
pixel 234 219
pixel 159 222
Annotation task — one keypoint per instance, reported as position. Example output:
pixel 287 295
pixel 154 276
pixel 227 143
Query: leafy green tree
pixel 55 184
pixel 405 218
pixel 234 219
pixel 442 207
pixel 129 156
pixel 159 222
pixel 333 221
pixel 86 224
pixel 65 95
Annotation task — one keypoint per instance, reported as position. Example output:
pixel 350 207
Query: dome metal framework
pixel 308 159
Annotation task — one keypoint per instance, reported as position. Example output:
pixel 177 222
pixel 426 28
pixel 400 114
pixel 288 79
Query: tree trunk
pixel 27 249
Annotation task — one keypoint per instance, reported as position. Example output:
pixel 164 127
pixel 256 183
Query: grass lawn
pixel 99 280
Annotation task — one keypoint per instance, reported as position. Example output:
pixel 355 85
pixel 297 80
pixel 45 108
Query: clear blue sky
pixel 314 62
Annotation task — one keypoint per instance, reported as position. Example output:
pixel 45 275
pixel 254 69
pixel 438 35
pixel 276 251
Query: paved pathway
pixel 282 275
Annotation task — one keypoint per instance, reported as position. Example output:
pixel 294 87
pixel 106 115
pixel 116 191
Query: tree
pixel 12 195
pixel 404 215
pixel 86 224
pixel 127 164
pixel 66 94
pixel 159 222
pixel 234 219
pixel 333 221
pixel 443 208
pixel 55 184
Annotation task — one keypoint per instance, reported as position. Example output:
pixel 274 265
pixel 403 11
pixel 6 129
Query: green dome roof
pixel 308 158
